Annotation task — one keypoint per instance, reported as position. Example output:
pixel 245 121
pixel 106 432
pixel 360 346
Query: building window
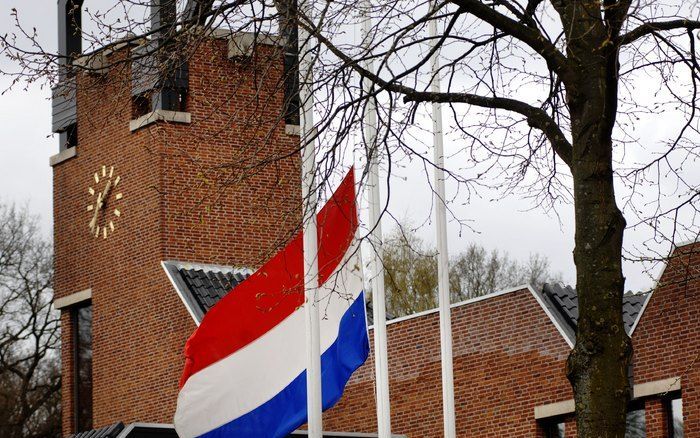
pixel 635 427
pixel 675 418
pixel 68 138
pixel 82 341
pixel 292 103
pixel 555 429
pixel 182 99
pixel 140 105
pixel 636 422
pixel 169 99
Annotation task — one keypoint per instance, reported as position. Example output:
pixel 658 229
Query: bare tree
pixel 29 331
pixel 475 272
pixel 411 272
pixel 546 100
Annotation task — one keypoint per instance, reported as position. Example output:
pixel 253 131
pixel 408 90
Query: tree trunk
pixel 598 365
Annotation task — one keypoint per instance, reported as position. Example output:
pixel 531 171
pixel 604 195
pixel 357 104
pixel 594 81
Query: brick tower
pixel 199 168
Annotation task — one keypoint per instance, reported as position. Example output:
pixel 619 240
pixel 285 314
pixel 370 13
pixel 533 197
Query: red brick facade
pixel 666 340
pixel 192 192
pixel 508 358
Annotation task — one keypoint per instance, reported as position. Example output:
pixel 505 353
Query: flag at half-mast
pixel 245 365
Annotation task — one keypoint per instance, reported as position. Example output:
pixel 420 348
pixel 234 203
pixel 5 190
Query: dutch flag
pixel 245 365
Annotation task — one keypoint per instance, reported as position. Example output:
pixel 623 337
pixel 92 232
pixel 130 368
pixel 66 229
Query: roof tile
pixel 110 431
pixel 564 301
pixel 207 285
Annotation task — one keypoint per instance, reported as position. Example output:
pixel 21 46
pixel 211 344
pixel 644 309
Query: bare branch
pixel 528 35
pixel 656 26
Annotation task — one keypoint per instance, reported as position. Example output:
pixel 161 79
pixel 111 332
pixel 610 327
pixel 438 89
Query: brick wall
pixel 656 418
pixel 219 190
pixel 508 358
pixel 666 341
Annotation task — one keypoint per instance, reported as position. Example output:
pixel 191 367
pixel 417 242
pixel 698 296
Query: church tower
pixel 197 165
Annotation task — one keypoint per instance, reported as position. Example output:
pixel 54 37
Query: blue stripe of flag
pixel 286 411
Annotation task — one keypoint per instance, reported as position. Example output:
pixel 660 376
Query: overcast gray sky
pixel 25 121
pixel 508 224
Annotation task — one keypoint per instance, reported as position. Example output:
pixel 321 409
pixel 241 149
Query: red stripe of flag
pixel 275 290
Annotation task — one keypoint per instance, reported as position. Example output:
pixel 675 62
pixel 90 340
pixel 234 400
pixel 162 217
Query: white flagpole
pixel 381 363
pixel 448 394
pixel 314 402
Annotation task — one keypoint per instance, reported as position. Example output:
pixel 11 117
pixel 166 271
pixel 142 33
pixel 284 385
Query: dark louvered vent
pixel 290 40
pixel 157 74
pixel 64 114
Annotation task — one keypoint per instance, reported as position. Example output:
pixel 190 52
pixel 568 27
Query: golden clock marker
pixel 101 198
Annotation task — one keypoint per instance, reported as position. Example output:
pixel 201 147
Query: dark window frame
pixel 551 425
pixel 667 403
pixel 140 105
pixel 68 138
pixel 79 424
pixel 638 405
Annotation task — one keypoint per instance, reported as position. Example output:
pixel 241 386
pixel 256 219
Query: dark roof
pixel 210 286
pixel 134 430
pixel 342 434
pixel 151 430
pixel 201 285
pixel 632 305
pixel 562 301
pixel 110 431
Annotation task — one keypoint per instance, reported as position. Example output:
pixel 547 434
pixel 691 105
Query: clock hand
pixel 98 205
pixel 105 192
pixel 93 222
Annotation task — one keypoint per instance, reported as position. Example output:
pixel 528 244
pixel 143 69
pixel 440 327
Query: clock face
pixel 103 205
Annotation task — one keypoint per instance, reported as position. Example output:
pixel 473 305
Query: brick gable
pixel 182 199
pixel 666 342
